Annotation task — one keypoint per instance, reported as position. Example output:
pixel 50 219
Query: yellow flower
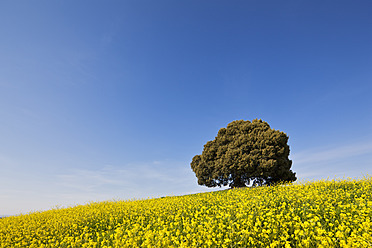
pixel 314 214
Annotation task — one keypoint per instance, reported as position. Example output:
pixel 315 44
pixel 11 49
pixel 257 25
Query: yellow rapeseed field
pixel 313 214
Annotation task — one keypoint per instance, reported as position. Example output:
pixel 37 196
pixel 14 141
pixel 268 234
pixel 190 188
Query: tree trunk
pixel 237 182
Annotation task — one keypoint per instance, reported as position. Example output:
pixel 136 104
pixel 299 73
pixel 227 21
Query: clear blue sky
pixel 103 100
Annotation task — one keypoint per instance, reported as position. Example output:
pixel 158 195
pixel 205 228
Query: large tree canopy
pixel 244 153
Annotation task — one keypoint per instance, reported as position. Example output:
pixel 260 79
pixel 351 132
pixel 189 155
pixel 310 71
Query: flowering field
pixel 316 214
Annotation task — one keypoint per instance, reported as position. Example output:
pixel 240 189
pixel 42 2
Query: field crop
pixel 313 214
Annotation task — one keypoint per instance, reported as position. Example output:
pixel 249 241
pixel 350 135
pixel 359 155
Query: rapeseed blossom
pixel 314 214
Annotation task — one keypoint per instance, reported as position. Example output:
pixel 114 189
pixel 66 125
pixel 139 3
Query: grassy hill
pixel 314 214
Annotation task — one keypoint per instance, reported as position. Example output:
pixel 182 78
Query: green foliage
pixel 242 153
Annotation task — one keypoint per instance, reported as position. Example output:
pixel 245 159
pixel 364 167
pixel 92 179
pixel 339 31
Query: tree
pixel 243 153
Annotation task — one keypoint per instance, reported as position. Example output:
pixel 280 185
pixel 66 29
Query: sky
pixel 110 100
